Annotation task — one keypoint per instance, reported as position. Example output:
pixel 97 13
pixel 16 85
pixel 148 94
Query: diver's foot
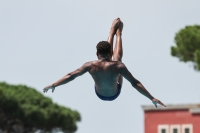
pixel 114 26
pixel 120 28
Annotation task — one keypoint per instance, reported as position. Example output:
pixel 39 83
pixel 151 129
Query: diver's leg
pixel 118 50
pixel 112 32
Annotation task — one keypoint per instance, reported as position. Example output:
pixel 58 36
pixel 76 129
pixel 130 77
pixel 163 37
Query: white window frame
pixel 184 126
pixel 178 127
pixel 163 126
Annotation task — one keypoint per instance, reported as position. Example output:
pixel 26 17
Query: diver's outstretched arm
pixel 137 84
pixel 69 77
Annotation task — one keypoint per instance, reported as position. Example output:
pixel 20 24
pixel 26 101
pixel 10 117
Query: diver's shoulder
pixel 90 63
pixel 96 62
pixel 118 62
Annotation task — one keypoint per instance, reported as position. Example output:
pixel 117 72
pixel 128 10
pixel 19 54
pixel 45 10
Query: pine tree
pixel 23 110
pixel 188 45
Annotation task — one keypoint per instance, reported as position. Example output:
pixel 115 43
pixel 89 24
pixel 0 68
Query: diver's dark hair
pixel 103 47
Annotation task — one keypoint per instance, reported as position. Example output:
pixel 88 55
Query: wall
pixel 154 118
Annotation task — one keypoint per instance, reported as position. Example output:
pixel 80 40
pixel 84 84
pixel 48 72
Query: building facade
pixel 172 119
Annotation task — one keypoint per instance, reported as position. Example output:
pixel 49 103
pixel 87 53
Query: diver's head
pixel 104 49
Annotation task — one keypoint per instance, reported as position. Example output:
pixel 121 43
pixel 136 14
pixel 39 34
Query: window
pixel 163 128
pixel 187 128
pixel 175 128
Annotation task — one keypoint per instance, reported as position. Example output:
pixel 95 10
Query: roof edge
pixel 194 108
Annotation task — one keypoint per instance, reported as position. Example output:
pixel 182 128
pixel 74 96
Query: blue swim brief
pixel 111 97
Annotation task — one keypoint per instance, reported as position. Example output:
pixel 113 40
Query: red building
pixel 172 119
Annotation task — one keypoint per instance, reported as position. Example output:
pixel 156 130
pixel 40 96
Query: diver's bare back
pixel 105 74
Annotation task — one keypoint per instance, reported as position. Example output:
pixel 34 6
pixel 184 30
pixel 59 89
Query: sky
pixel 42 40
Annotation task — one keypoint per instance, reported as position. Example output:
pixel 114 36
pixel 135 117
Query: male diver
pixel 108 71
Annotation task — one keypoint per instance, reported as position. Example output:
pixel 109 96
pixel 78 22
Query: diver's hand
pixel 156 101
pixel 49 87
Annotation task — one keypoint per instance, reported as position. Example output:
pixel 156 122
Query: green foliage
pixel 188 45
pixel 25 106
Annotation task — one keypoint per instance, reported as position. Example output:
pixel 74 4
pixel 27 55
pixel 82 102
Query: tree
pixel 23 110
pixel 188 45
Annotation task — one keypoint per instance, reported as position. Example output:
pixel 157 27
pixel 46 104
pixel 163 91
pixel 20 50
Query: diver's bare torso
pixel 105 74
